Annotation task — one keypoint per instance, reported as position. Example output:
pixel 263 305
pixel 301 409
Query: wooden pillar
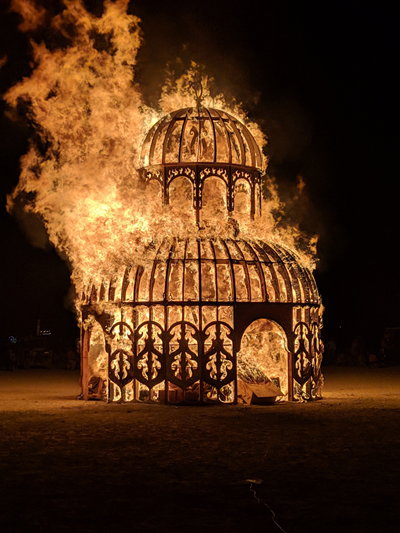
pixel 291 363
pixel 85 363
pixel 252 200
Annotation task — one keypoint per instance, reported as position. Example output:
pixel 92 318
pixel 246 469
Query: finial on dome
pixel 197 87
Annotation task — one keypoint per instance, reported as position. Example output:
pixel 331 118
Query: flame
pixel 178 93
pixel 80 172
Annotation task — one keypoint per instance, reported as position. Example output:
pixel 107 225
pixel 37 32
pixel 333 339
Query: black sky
pixel 320 79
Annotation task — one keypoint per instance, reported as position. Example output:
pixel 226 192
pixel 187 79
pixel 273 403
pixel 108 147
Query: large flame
pixel 80 173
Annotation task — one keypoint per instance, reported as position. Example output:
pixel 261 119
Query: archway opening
pixel 214 208
pixel 264 356
pixel 180 197
pixel 242 201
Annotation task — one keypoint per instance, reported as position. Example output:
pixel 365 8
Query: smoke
pixel 3 61
pixel 32 225
pixel 33 16
pixel 289 131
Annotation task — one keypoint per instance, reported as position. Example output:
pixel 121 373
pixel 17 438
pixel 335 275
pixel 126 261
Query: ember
pixel 188 293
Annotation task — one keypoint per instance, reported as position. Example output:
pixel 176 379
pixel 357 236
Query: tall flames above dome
pixel 188 288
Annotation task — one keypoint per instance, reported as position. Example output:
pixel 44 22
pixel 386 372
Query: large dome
pixel 200 135
pixel 212 270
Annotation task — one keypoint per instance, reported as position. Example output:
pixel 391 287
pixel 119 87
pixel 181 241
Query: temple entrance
pixel 264 355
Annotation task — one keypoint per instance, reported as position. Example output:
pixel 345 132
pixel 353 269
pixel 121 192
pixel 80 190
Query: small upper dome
pixel 200 135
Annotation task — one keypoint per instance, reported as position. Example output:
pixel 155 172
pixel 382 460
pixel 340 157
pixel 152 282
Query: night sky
pixel 320 79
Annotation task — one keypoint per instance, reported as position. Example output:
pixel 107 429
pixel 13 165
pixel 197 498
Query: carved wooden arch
pixel 173 173
pixel 248 176
pixel 280 313
pixel 216 172
pixel 287 338
pixel 265 314
pixel 154 175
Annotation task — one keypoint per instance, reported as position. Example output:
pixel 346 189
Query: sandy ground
pixel 327 466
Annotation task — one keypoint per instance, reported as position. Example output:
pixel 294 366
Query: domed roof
pixel 212 270
pixel 200 135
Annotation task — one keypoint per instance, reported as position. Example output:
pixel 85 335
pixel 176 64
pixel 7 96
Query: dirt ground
pixel 74 466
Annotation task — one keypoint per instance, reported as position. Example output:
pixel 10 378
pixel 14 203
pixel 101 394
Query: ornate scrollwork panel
pixel 317 349
pixel 120 366
pixel 149 356
pixel 156 175
pixel 183 367
pixel 241 174
pixel 218 365
pixel 302 360
pixel 175 172
pixel 218 172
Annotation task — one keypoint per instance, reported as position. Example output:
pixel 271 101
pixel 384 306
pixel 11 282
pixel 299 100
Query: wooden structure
pixel 171 330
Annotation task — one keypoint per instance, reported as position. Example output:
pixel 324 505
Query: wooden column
pixel 85 363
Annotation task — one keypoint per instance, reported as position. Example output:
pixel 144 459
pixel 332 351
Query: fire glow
pixel 188 290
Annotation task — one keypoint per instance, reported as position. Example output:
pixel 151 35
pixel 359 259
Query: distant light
pixel 45 332
pixel 12 339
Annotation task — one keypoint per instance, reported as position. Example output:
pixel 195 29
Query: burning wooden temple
pixel 206 319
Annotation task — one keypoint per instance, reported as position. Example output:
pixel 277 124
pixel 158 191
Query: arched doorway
pixel 214 200
pixel 264 355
